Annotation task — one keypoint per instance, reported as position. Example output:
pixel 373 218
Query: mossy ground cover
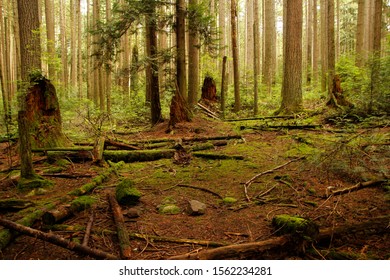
pixel 297 189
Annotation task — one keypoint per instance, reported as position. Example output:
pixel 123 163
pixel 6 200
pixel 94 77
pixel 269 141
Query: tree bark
pixel 193 56
pixel 236 64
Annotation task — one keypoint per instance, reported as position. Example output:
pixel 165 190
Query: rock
pixel 196 208
pixel 132 213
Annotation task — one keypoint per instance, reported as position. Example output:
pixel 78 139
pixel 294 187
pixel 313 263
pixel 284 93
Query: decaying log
pixel 121 145
pixel 356 187
pixel 214 156
pixel 137 156
pixel 261 118
pixel 208 112
pixel 60 213
pixel 246 250
pixel 124 242
pixel 57 240
pixel 278 127
pixel 14 204
pixel 34 214
pixel 74 156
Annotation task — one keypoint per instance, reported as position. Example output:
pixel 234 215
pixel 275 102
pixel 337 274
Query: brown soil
pixel 298 189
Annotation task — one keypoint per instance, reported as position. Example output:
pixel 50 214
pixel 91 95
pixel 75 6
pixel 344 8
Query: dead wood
pixel 98 149
pixel 57 240
pixel 242 251
pixel 74 156
pixel 209 138
pixel 14 204
pixel 278 127
pixel 124 242
pixel 214 156
pixel 67 175
pixel 209 113
pixel 261 118
pixel 254 178
pixel 137 156
pixel 121 145
pixel 54 216
pixel 88 229
pixel 356 187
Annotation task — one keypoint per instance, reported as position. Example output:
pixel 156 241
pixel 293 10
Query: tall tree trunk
pixel 236 70
pixel 249 42
pixel 181 73
pixel 360 34
pixel 152 52
pixel 73 44
pixel 79 50
pixel 108 67
pixel 269 45
pixel 324 44
pixel 256 50
pixel 222 34
pixel 315 42
pixel 49 12
pixel 292 76
pixel 64 49
pixel 309 38
pixel 331 46
pixel 28 17
pixel 193 56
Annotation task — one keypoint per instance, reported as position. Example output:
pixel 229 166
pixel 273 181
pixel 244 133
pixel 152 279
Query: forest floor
pixel 316 161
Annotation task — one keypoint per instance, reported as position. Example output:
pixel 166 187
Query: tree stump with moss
pixel 43 114
pixel 209 89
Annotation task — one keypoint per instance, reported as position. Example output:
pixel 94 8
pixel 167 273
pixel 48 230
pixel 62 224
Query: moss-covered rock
pixel 126 193
pixel 169 209
pixel 286 224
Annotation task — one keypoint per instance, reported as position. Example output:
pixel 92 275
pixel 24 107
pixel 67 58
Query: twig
pixel 200 188
pixel 249 182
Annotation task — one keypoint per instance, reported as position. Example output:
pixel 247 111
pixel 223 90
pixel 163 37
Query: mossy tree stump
pixel 126 193
pixel 43 114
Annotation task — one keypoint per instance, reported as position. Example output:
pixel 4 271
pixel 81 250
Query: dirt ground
pixel 317 162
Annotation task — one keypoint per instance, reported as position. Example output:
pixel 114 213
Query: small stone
pixel 196 208
pixel 132 213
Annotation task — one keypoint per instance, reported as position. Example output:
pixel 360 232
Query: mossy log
pixel 279 127
pixel 121 145
pixel 126 193
pixel 138 156
pixel 28 220
pixel 65 211
pixel 124 242
pixel 14 204
pixel 75 156
pixel 261 118
pixel 297 226
pixel 214 156
pixel 57 240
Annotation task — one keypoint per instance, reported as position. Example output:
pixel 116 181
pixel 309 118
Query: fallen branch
pixel 245 250
pixel 121 145
pixel 254 178
pixel 209 112
pixel 88 229
pixel 272 127
pixel 260 118
pixel 356 187
pixel 124 242
pixel 57 240
pixel 200 188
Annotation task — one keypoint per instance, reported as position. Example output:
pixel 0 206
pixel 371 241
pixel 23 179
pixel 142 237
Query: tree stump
pixel 43 114
pixel 209 89
pixel 337 97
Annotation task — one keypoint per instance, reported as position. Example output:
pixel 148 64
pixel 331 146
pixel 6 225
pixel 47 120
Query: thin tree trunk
pixel 324 45
pixel 64 49
pixel 79 50
pixel 50 24
pixel 181 73
pixel 360 34
pixel 236 70
pixel 256 48
pixel 331 46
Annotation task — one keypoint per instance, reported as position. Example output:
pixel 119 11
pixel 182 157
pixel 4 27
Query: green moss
pixel 37 182
pixel 286 224
pixel 229 200
pixel 53 169
pixel 81 203
pixel 126 193
pixel 169 209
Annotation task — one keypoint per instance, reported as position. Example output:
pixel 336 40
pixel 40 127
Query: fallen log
pixel 278 127
pixel 242 251
pixel 28 220
pixel 88 229
pixel 138 156
pixel 261 118
pixel 121 145
pixel 14 204
pixel 74 156
pixel 124 242
pixel 217 156
pixel 356 187
pixel 57 240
